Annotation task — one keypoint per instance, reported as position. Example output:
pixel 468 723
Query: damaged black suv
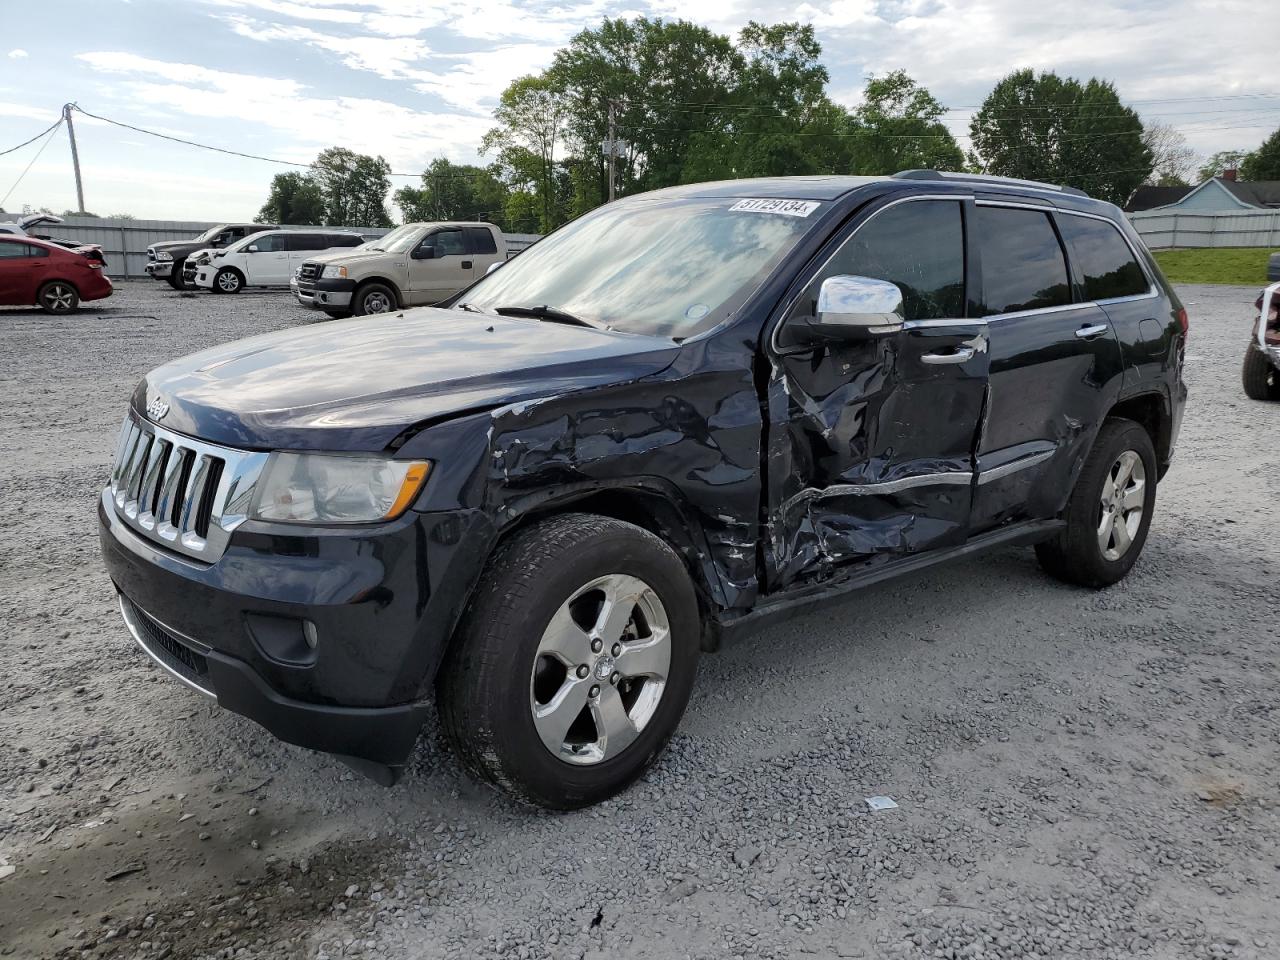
pixel 675 419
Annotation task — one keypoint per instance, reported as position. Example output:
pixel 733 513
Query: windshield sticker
pixel 790 208
pixel 697 311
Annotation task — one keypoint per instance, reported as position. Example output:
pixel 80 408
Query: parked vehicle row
pixel 679 417
pixel 167 260
pixel 266 259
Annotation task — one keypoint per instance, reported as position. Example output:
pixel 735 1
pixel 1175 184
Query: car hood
pixel 177 246
pixel 358 384
pixel 350 255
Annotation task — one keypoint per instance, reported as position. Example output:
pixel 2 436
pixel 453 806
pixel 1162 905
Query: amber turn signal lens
pixel 414 478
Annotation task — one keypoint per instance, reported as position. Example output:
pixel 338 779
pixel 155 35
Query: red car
pixel 42 273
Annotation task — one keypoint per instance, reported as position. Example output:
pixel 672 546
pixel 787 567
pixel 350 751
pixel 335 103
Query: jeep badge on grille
pixel 157 408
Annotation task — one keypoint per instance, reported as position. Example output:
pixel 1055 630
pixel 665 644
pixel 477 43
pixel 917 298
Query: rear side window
pixel 306 241
pixel 1104 259
pixel 345 240
pixel 1023 266
pixel 480 241
pixel 918 245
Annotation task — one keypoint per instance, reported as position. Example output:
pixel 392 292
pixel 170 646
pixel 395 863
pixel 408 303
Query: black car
pixel 165 261
pixel 684 415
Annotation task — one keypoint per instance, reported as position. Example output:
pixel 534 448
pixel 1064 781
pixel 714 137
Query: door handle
pixel 1092 331
pixel 959 355
pixel 466 264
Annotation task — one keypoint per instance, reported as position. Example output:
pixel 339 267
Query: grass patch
pixel 1242 265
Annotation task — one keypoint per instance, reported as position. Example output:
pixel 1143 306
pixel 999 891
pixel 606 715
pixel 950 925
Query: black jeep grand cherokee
pixel 672 420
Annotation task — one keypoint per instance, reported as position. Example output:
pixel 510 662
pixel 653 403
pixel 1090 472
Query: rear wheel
pixel 373 298
pixel 228 281
pixel 1109 513
pixel 575 662
pixel 175 275
pixel 58 296
pixel 1260 377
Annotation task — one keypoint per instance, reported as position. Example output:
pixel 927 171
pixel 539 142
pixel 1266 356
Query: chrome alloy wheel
pixel 600 669
pixel 228 282
pixel 59 297
pixel 376 302
pixel 1124 492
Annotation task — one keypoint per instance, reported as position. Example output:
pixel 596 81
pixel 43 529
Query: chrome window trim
pixel 953 197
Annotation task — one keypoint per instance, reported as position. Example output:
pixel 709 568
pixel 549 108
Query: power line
pixel 50 132
pixel 24 143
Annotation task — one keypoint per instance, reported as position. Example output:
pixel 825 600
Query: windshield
pixel 211 233
pixel 398 240
pixel 662 267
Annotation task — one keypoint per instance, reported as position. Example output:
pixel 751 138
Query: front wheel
pixel 373 298
pixel 58 296
pixel 175 275
pixel 1109 513
pixel 228 281
pixel 575 662
pixel 1260 377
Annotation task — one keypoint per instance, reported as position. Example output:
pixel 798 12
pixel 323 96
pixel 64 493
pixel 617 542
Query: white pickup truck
pixel 412 266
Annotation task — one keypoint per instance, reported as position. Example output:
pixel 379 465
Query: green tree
pixel 295 198
pixel 899 127
pixel 530 115
pixel 1263 163
pixel 1062 131
pixel 1220 162
pixel 778 119
pixel 354 187
pixel 452 191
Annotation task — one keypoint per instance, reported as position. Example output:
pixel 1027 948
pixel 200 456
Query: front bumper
pixel 159 269
pixel 237 629
pixel 323 294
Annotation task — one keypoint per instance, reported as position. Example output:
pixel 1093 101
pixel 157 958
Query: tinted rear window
pixel 345 240
pixel 307 241
pixel 1103 258
pixel 480 241
pixel 1023 266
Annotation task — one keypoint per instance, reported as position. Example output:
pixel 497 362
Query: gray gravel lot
pixel 1078 774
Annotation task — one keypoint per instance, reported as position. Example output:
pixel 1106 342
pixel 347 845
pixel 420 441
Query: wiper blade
pixel 547 313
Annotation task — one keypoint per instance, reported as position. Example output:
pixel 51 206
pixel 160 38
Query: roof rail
pixel 983 178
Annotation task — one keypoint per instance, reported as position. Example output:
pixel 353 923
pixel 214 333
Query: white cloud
pixel 17 54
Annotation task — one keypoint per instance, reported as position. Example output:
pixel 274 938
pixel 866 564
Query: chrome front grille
pixel 308 273
pixel 184 494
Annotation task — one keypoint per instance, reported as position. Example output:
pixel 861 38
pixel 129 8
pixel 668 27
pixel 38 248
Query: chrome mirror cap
pixel 859 305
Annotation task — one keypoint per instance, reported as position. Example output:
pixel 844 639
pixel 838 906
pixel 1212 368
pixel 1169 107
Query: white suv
pixel 267 259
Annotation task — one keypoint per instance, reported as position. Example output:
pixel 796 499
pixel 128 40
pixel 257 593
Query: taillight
pixel 1183 325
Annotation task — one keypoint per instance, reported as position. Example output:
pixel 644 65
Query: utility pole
pixel 613 143
pixel 75 156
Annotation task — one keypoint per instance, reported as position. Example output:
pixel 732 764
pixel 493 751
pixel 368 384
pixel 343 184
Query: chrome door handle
pixel 1088 333
pixel 959 355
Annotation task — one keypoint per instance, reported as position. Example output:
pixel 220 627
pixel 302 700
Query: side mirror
pixel 855 308
pixel 423 253
pixel 493 267
pixel 252 248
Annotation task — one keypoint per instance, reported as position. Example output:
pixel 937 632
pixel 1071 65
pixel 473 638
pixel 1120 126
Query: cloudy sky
pixel 416 79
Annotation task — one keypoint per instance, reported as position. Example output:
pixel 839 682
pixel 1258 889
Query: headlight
pixel 329 488
pixel 163 255
pixel 334 273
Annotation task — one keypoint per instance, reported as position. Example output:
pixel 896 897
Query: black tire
pixel 486 687
pixel 175 275
pixel 228 280
pixel 1260 376
pixel 372 299
pixel 58 296
pixel 1075 555
pixel 338 314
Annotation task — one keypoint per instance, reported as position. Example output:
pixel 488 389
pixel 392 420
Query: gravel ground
pixel 1077 774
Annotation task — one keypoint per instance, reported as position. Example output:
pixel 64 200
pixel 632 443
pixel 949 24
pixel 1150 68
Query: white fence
pixel 125 242
pixel 1165 229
